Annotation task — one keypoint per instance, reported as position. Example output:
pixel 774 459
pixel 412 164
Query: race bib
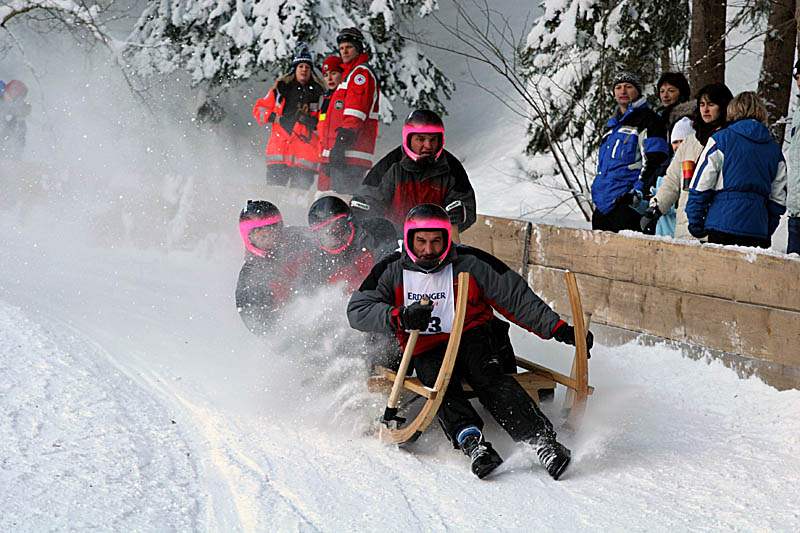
pixel 438 288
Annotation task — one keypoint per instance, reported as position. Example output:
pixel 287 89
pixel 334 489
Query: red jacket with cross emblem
pixel 354 106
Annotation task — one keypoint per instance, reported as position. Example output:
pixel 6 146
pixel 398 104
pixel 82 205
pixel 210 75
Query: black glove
pixel 650 219
pixel 456 212
pixel 631 198
pixel 345 136
pixel 566 334
pixel 415 316
pixel 698 230
pixel 307 120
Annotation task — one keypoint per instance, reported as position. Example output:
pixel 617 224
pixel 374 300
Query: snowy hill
pixel 132 397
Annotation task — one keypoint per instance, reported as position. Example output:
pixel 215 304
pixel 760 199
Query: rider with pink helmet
pixel 417 172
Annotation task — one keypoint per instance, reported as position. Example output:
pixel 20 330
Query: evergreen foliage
pixel 575 48
pixel 223 42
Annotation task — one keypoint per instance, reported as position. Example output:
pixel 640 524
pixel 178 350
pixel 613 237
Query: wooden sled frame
pixel 533 379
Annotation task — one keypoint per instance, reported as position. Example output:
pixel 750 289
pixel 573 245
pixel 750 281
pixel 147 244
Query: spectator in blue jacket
pixel 738 191
pixel 632 150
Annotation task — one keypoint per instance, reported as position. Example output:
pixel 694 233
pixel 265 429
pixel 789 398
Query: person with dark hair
pixel 422 174
pixel 793 183
pixel 709 116
pixel 389 300
pixel 274 265
pixel 632 150
pixel 738 191
pixel 292 107
pixel 352 117
pixel 673 92
pixel 346 248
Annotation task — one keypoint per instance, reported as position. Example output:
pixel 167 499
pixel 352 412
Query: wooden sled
pixel 534 378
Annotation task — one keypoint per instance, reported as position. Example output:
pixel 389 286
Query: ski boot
pixel 484 458
pixel 553 455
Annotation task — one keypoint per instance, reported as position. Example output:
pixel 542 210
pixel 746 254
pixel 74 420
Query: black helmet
pixel 331 222
pixel 258 214
pixel 353 36
pixel 426 217
pixel 422 121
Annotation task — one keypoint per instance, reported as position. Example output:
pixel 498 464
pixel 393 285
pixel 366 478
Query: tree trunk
pixel 775 81
pixel 707 43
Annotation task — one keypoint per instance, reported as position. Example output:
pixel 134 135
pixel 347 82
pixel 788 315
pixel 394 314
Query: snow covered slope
pixel 132 398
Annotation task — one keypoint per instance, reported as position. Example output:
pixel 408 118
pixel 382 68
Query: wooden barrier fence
pixel 739 302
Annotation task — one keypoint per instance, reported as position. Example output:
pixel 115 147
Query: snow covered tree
pixel 221 43
pixel 576 47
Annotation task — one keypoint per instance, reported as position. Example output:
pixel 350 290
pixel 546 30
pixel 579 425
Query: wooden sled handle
pixel 405 362
pixel 581 361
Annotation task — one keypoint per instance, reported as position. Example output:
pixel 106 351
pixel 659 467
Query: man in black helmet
pixel 346 249
pixel 389 301
pixel 349 142
pixel 417 172
pixel 276 258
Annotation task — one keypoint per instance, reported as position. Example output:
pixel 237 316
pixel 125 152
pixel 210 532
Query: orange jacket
pixel 354 106
pixel 301 147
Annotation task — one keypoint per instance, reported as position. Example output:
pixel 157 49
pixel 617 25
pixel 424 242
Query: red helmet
pixel 426 217
pixel 258 214
pixel 16 90
pixel 422 121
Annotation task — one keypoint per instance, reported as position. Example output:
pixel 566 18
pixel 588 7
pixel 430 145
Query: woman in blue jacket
pixel 738 190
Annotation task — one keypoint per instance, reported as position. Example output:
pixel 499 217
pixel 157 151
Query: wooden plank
pixel 412 384
pixel 750 330
pixel 504 238
pixel 755 277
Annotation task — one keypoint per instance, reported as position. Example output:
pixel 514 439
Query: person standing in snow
pixel 13 113
pixel 709 115
pixel 632 150
pixel 745 207
pixel 346 248
pixel 419 171
pixel 332 73
pixel 276 258
pixel 352 117
pixel 793 183
pixel 389 301
pixel 292 107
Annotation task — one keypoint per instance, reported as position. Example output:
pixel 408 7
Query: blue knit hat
pixel 302 55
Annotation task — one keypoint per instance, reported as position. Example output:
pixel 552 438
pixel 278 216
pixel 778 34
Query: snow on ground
pixel 132 397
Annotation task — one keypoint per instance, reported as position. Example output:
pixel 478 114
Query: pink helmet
pixel 257 214
pixel 422 121
pixel 426 217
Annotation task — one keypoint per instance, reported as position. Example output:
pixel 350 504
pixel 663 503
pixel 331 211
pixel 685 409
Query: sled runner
pixel 533 379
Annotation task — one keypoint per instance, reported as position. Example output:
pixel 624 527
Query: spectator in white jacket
pixel 793 176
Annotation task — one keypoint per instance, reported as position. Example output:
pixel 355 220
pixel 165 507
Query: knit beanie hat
pixel 332 63
pixel 682 129
pixel 352 36
pixel 627 76
pixel 302 55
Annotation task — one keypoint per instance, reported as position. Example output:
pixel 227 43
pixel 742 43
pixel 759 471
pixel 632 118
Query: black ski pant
pixel 621 217
pixel 480 365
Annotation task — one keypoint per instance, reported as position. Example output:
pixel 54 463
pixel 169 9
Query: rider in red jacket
pixel 352 116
